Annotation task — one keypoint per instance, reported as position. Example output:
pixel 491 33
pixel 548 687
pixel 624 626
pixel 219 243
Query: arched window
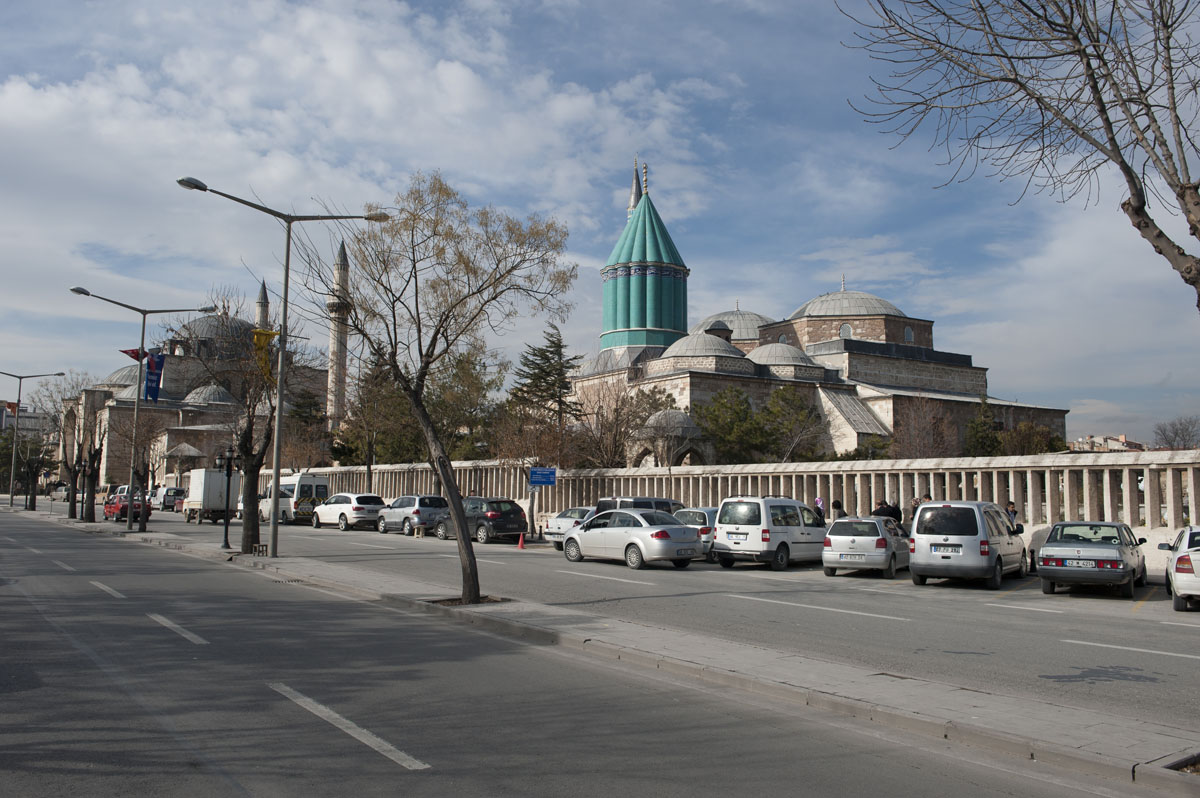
pixel 783 338
pixel 908 335
pixel 846 331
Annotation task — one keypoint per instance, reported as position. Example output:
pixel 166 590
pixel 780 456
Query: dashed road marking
pixel 62 565
pixel 1019 607
pixel 177 629
pixel 109 590
pixel 823 609
pixel 1177 623
pixel 611 578
pixel 477 559
pixel 1131 648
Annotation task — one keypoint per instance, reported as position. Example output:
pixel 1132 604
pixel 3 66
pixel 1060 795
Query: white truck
pixel 298 494
pixel 206 498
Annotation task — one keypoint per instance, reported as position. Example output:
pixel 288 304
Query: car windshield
pixel 692 517
pixel 368 499
pixel 849 529
pixel 502 507
pixel 1084 533
pixel 950 521
pixel 433 501
pixel 659 518
pixel 740 513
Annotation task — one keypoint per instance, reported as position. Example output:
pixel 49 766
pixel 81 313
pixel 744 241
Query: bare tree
pixel 58 399
pixel 150 425
pixel 431 283
pixel 1178 433
pixel 612 414
pixel 921 427
pixel 1051 92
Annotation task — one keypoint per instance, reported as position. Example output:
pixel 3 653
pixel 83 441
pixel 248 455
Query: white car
pixel 558 526
pixel 636 536
pixel 1182 582
pixel 348 510
pixel 872 543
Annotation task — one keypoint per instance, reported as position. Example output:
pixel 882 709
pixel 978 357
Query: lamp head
pixel 60 374
pixel 80 290
pixel 378 216
pixel 192 184
pixel 208 309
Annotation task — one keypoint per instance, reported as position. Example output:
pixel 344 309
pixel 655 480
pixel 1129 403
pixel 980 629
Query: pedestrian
pixel 1011 509
pixel 881 509
pixel 819 507
pixel 836 509
pixel 893 512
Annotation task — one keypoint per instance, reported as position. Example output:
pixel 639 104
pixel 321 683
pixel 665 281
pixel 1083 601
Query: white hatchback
pixel 875 542
pixel 1182 581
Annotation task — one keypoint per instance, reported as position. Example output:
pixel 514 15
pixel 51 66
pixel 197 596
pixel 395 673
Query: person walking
pixel 836 510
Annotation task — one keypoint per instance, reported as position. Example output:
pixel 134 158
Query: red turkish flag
pixel 136 354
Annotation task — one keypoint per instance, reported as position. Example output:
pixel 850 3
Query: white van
pixel 770 529
pixel 297 495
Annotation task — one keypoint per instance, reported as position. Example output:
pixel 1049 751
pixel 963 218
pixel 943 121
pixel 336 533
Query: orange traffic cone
pixel 521 541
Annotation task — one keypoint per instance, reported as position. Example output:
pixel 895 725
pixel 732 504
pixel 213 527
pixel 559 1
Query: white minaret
pixel 338 306
pixel 262 308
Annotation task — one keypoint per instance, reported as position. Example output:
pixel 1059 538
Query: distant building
pixel 31 421
pixel 1106 443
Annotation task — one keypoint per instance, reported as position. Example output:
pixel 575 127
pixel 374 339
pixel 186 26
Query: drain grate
pixel 288 581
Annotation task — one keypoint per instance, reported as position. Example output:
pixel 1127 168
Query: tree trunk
pixel 250 527
pixel 1187 265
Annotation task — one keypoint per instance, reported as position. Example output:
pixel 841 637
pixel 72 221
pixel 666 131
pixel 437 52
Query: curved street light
pixel 137 395
pixel 192 184
pixel 12 468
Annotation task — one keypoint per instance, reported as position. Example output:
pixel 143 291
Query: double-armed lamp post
pixel 137 396
pixel 288 219
pixel 16 429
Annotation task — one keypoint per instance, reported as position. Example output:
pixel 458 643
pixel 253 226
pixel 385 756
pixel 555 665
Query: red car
pixel 116 506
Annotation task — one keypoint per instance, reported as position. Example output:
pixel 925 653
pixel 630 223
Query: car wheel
pixel 917 578
pixel 343 524
pixel 1048 587
pixel 481 534
pixel 779 560
pixel 1179 603
pixel 993 581
pixel 1126 589
pixel 381 525
pixel 262 517
pixel 441 530
pixel 681 563
pixel 572 551
pixel 711 556
pixel 890 571
pixel 407 528
pixel 1141 580
pixel 829 571
pixel 316 522
pixel 558 546
pixel 633 557
pixel 1023 570
pixel 726 562
pixel 1167 581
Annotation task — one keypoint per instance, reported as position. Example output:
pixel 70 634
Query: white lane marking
pixel 1019 607
pixel 1131 648
pixel 879 590
pixel 778 578
pixel 1176 623
pixel 177 629
pixel 613 578
pixel 357 732
pixel 10 540
pixel 371 546
pixel 108 590
pixel 814 607
pixel 477 559
pixel 62 565
pixel 31 548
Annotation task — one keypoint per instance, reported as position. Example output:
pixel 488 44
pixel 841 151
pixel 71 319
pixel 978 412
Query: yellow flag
pixel 262 350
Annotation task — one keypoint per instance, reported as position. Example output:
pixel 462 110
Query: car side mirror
pixel 1164 546
pixel 1020 529
pixel 1141 541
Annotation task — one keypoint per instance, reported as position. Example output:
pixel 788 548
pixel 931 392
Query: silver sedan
pixel 875 543
pixel 1092 553
pixel 635 536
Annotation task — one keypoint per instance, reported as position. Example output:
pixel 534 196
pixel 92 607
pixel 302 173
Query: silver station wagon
pixel 1092 553
pixel 635 536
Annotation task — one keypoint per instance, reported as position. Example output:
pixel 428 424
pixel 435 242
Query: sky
pixel 772 186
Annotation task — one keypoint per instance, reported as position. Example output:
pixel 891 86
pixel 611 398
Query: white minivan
pixel 771 529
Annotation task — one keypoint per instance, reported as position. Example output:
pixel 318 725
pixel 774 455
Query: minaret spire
pixel 635 192
pixel 338 306
pixel 262 308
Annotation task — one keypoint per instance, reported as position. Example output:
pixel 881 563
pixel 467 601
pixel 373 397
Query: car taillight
pixel 984 548
pixel 661 534
pixel 766 536
pixel 416 511
pixel 1109 564
pixel 827 543
pixel 491 515
pixel 355 509
pixel 1053 562
pixel 912 545
pixel 880 543
pixel 706 530
pixel 1184 565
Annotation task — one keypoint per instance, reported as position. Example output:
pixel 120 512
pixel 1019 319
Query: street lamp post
pixel 137 395
pixel 20 378
pixel 288 219
pixel 226 460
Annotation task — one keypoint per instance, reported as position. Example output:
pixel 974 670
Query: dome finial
pixel 843 281
pixel 645 178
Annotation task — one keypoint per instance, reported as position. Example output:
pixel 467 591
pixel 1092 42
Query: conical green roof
pixel 645 239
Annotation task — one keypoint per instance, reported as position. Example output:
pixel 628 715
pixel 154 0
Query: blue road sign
pixel 542 476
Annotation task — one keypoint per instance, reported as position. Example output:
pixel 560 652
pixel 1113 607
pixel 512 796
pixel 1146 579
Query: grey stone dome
pixel 671 419
pixel 128 392
pixel 779 355
pixel 847 303
pixel 126 375
pixel 702 345
pixel 744 323
pixel 210 394
pixel 216 326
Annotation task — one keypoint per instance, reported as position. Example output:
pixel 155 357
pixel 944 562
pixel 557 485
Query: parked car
pixel 347 510
pixel 60 493
pixel 411 513
pixel 116 505
pixel 165 498
pixel 704 519
pixel 489 518
pixel 768 529
pixel 1182 582
pixel 635 536
pixel 1092 553
pixel 558 526
pixel 644 502
pixel 872 543
pixel 966 540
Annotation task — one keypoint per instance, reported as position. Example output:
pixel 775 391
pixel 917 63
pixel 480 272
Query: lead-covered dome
pixel 744 323
pixel 126 375
pixel 210 394
pixel 847 303
pixel 702 345
pixel 779 355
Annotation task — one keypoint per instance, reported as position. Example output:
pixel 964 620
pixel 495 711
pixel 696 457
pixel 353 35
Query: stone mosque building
pixel 871 370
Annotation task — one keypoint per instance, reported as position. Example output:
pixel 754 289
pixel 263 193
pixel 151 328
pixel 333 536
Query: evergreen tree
pixel 792 427
pixel 543 385
pixel 981 437
pixel 730 423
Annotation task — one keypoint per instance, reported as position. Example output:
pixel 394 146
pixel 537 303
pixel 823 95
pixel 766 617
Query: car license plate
pixel 946 549
pixel 685 552
pixel 736 535
pixel 851 556
pixel 1079 563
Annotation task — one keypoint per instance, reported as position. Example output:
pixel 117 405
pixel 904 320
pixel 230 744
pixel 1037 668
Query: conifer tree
pixel 543 384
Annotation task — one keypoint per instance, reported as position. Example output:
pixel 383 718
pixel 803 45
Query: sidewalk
pixel 1092 740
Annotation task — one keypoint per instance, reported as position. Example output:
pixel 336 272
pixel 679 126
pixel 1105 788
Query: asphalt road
pixel 1079 648
pixel 134 670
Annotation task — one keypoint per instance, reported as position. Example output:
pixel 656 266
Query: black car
pixel 488 519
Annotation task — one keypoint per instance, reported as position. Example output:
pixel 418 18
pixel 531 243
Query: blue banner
pixel 154 367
